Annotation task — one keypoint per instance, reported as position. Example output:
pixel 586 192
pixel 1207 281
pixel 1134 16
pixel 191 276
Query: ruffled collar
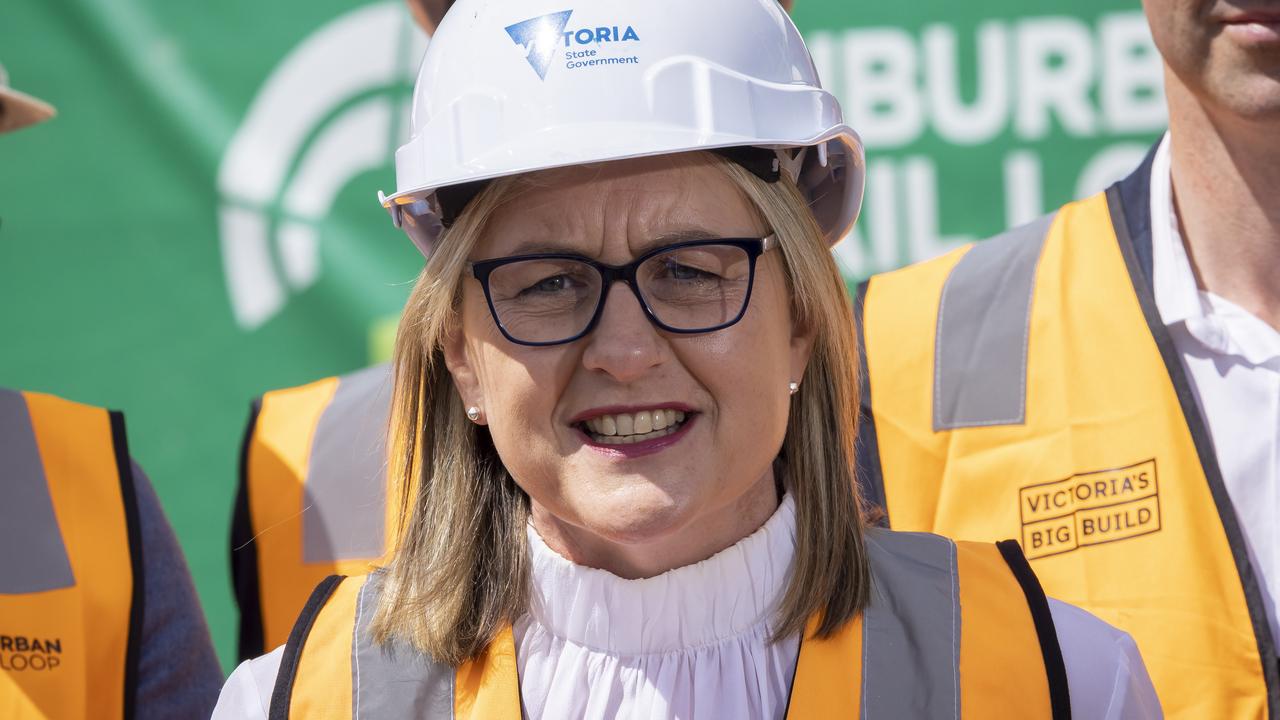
pixel 725 596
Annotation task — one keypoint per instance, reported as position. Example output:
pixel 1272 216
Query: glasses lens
pixel 544 300
pixel 698 287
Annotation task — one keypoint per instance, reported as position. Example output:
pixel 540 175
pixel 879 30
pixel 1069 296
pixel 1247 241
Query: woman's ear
pixel 802 337
pixel 461 368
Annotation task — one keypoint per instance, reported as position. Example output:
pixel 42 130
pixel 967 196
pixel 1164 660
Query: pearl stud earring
pixel 473 413
pixel 793 387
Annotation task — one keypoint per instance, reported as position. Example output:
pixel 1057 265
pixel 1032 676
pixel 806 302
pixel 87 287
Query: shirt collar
pixel 1174 284
pixel 1219 325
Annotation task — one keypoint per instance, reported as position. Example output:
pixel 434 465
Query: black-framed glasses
pixel 690 287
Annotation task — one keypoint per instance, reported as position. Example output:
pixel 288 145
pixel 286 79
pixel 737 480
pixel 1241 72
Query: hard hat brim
pixel 545 151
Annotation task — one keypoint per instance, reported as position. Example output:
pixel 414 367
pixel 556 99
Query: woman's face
pixel 634 508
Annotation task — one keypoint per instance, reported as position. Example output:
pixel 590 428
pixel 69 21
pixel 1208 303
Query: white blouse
pixel 689 643
pixel 693 643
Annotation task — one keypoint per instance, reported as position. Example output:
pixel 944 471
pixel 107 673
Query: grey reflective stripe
pixel 984 324
pixel 390 683
pixel 344 495
pixel 911 630
pixel 34 557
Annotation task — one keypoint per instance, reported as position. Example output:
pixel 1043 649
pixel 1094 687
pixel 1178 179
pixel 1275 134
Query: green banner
pixel 976 120
pixel 199 223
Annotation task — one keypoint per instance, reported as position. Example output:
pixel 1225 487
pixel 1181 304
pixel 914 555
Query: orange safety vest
pixel 953 629
pixel 311 500
pixel 70 570
pixel 1027 387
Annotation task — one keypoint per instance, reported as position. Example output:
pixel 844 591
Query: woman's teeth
pixel 634 427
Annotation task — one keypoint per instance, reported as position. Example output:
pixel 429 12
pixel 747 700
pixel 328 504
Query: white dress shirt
pixel 693 643
pixel 1233 363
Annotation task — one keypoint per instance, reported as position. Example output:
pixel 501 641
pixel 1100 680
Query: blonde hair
pixel 460 571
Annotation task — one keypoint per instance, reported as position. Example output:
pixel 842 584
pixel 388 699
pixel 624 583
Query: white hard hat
pixel 515 86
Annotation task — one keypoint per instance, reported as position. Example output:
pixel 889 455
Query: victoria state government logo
pixel 1091 508
pixel 27 654
pixel 547 36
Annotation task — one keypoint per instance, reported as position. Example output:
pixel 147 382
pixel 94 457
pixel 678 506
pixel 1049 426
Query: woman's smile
pixel 634 431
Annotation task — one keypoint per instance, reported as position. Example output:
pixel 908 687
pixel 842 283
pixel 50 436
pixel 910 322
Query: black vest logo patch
pixel 1090 508
pixel 19 653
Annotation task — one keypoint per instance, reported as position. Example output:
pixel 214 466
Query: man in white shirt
pixel 1104 383
pixel 1215 209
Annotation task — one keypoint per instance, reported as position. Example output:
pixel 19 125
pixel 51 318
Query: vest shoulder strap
pixel 27 517
pixel 326 677
pixel 963 321
pixel 982 331
pixel 332 667
pixel 911 628
pixel 346 475
pixel 951 632
pixel 311 499
pixel 68 500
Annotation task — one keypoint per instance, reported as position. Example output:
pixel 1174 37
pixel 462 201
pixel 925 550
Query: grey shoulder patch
pixel 911 629
pixel 344 495
pixel 984 328
pixel 34 557
pixel 390 681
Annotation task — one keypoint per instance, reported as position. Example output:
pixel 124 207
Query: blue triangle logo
pixel 540 36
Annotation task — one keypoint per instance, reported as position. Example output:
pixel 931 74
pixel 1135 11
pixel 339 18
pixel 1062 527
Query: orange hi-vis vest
pixel 71 566
pixel 312 500
pixel 953 630
pixel 1027 387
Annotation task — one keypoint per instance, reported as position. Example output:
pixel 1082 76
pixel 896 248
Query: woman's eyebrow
pixel 673 237
pixel 541 246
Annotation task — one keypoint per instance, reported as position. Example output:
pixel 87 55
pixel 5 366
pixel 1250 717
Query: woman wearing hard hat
pixel 624 412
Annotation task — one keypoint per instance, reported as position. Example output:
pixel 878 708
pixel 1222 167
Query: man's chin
pixel 1249 87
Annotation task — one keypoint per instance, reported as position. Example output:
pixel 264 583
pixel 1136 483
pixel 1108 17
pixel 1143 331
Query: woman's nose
pixel 624 343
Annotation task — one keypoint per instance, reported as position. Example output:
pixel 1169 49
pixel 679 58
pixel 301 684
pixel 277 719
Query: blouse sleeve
pixel 247 693
pixel 1105 673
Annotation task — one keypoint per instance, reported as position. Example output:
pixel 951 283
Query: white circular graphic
pixel 308 131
